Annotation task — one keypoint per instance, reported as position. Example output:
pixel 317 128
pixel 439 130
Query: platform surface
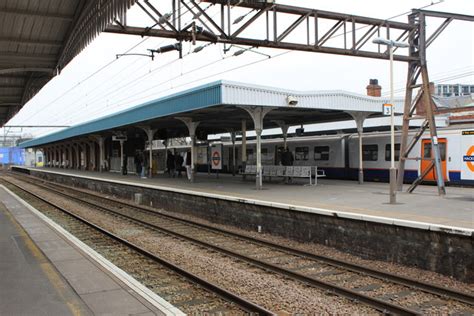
pixel 456 209
pixel 43 274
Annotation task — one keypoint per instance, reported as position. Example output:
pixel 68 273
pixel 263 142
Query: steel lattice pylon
pixel 355 34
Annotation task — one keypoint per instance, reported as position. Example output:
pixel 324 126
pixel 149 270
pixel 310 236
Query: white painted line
pixel 136 286
pixel 314 210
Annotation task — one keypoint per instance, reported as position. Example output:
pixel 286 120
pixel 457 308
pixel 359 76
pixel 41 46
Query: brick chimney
pixel 373 89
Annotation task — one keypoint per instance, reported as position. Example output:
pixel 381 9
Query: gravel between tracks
pixel 269 290
pixel 411 272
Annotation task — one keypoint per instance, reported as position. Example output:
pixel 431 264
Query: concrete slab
pixel 423 208
pixel 30 284
pixel 119 300
pixel 75 283
pixel 85 277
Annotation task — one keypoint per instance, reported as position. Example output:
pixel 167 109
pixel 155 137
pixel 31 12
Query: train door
pixel 427 156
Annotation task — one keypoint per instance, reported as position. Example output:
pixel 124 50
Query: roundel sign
pixel 467 150
pixel 469 158
pixel 216 157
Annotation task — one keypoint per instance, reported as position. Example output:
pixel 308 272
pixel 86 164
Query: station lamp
pixel 393 173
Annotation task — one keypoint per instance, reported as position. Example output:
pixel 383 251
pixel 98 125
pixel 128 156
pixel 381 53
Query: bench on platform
pixel 269 171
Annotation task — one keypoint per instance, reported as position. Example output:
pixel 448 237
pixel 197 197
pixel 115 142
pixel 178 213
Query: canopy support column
pixel 150 133
pixel 232 137
pixel 284 129
pixel 359 118
pixel 244 146
pixel 121 158
pixel 101 141
pixel 92 155
pixel 69 151
pixel 192 126
pixel 258 114
pixel 77 149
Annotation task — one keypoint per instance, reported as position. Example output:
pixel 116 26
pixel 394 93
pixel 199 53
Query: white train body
pixel 338 155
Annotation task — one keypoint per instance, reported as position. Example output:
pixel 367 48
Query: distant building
pixel 453 90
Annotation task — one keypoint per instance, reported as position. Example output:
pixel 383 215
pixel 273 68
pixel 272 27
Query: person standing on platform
pixel 170 164
pixel 124 168
pixel 179 164
pixel 188 164
pixel 138 163
pixel 287 160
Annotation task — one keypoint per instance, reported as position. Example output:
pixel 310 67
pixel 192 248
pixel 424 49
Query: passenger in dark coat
pixel 138 163
pixel 170 163
pixel 287 160
pixel 124 167
pixel 179 164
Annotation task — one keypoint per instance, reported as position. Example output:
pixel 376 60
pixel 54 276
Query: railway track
pixel 181 288
pixel 386 292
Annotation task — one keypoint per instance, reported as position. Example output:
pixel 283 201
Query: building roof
pixel 218 105
pixel 39 38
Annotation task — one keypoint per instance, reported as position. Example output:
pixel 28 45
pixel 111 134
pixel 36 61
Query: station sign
pixel 467 151
pixel 117 138
pixel 216 157
pixel 387 109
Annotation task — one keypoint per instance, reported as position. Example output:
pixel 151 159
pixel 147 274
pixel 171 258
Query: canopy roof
pixel 39 38
pixel 218 107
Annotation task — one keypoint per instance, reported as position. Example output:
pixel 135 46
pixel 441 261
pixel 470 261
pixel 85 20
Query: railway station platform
pixel 368 202
pixel 45 272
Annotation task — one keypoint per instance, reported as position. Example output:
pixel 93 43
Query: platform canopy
pixel 220 108
pixel 39 38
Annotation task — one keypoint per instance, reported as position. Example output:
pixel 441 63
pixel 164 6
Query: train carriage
pixel 338 155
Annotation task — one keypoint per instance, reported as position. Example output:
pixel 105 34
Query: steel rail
pixel 401 280
pixel 378 304
pixel 223 293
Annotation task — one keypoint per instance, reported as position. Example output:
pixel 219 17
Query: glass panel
pixel 442 151
pixel 321 153
pixel 388 151
pixel 370 152
pixel 301 153
pixel 427 151
pixel 249 154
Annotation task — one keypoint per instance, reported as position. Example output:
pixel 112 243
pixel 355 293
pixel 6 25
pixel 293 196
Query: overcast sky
pixel 133 80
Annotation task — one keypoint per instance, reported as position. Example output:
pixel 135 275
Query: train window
pixel 388 152
pixel 301 153
pixel 427 150
pixel 321 153
pixel 370 152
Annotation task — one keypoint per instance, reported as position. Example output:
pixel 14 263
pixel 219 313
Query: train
pixel 20 156
pixel 338 155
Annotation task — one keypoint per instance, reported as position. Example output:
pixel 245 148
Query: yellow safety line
pixel 51 273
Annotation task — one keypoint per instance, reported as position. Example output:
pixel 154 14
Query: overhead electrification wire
pixel 91 75
pixel 275 56
pixel 130 83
